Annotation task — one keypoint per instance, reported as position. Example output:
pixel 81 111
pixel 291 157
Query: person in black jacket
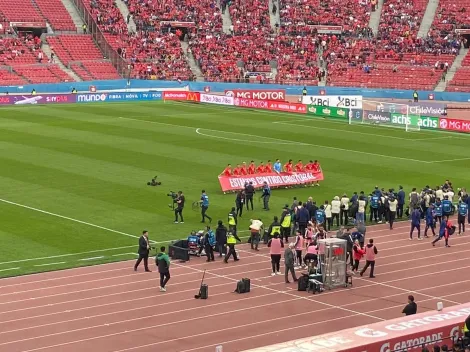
pixel 411 308
pixel 208 246
pixel 249 193
pixel 221 238
pixel 239 201
pixel 144 249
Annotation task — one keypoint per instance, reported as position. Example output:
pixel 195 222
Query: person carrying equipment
pixel 232 239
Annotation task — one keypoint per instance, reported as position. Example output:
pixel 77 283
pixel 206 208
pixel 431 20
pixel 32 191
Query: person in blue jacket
pixel 320 216
pixel 446 206
pixel 374 207
pixel 462 211
pixel 429 221
pixel 401 202
pixel 415 222
pixel 438 211
pixel 444 229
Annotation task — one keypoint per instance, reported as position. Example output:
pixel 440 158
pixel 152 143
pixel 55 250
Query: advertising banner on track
pixel 339 101
pixel 410 333
pixel 378 117
pixel 425 122
pixel 454 125
pixel 257 94
pixel 38 99
pixel 423 109
pixel 216 99
pixel 118 97
pixel 328 111
pixel 270 105
pixel 283 179
pixel 181 96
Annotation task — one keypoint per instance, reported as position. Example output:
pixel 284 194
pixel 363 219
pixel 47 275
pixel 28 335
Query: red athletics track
pixel 110 308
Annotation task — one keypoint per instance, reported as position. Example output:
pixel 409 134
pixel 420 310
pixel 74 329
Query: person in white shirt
pixel 450 194
pixel 335 209
pixel 344 210
pixel 361 209
pixel 439 193
pixel 255 229
pixel 392 206
pixel 328 215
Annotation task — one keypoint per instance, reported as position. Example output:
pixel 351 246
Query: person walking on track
pixel 275 248
pixel 370 252
pixel 445 230
pixel 289 263
pixel 143 251
pixel 232 239
pixel 163 264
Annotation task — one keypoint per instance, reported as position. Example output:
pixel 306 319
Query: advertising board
pixel 181 96
pixel 378 117
pixel 37 99
pixel 118 96
pixel 426 122
pixel 270 105
pixel 216 99
pixel 339 101
pixel 328 111
pixel 257 94
pixel 454 125
pixel 409 333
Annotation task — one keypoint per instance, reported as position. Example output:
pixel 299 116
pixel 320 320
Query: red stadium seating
pixel 20 11
pixel 56 14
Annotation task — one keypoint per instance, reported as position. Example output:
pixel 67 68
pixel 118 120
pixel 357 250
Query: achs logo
pixel 443 123
pixel 230 93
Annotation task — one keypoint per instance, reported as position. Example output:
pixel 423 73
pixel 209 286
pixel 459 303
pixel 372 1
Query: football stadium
pixel 228 176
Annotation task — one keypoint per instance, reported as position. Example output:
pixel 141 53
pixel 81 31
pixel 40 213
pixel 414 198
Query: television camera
pixel 174 197
pixel 154 182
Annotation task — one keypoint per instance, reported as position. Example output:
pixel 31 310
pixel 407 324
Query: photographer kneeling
pixel 179 207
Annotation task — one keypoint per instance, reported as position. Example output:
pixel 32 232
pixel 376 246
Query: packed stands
pixel 56 14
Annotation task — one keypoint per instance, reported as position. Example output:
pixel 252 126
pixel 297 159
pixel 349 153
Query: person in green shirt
pixel 163 264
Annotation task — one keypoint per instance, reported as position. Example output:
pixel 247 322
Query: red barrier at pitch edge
pixel 411 332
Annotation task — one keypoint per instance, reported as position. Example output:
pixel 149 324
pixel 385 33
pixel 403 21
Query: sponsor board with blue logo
pixel 116 97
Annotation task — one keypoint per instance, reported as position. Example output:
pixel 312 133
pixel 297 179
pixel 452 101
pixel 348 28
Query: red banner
pixel 28 24
pixel 409 333
pixel 454 125
pixel 235 183
pixel 181 95
pixel 258 94
pixel 287 107
pixel 270 105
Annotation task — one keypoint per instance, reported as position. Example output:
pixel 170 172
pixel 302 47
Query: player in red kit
pixel 260 169
pixel 237 171
pixel 299 167
pixel 288 167
pixel 243 170
pixel 316 168
pixel 309 166
pixel 268 169
pixel 227 171
pixel 251 168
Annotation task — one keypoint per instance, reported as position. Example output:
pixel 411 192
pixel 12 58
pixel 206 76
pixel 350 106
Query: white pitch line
pixel 92 258
pixel 47 264
pixel 7 269
pixel 275 139
pixel 449 160
pixel 69 218
pixel 64 255
pixel 123 254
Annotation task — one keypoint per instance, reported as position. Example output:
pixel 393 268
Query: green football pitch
pixel 73 178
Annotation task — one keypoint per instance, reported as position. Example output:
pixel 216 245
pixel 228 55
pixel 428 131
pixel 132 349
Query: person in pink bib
pixel 370 253
pixel 275 250
pixel 299 245
pixel 312 254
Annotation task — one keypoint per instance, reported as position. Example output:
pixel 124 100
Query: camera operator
pixel 180 199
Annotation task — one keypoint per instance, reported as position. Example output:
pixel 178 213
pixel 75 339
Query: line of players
pixel 252 169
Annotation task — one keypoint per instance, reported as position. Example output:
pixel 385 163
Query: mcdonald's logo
pixel 193 96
